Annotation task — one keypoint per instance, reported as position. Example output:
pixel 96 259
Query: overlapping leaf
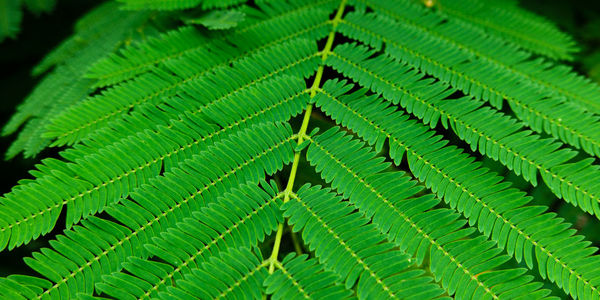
pixel 172 134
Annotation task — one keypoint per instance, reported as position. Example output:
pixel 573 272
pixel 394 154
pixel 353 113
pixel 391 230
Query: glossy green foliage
pixel 506 20
pixel 486 130
pixel 236 275
pixel 176 4
pixel 65 85
pixel 193 166
pixel 413 223
pixel 498 211
pixel 254 214
pixel 344 242
pixel 482 78
pixel 299 278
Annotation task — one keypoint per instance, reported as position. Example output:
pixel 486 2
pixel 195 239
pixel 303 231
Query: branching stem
pixel 302 133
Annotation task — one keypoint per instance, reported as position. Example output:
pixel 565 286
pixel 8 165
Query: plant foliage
pixel 11 14
pixel 192 166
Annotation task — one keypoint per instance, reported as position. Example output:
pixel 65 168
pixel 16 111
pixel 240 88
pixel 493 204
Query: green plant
pixel 11 14
pixel 177 179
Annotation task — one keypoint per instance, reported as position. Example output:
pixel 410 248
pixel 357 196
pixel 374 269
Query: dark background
pixel 39 34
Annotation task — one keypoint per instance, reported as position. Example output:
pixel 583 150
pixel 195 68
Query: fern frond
pixel 31 140
pixel 10 18
pixel 70 127
pixel 89 28
pixel 277 22
pixel 540 111
pixel 149 270
pixel 205 105
pixel 514 24
pixel 65 85
pixel 537 74
pixel 480 195
pixel 174 137
pixel 135 59
pixel 300 278
pixel 484 129
pixel 241 218
pixel 89 192
pixel 159 4
pixel 219 19
pixel 296 57
pixel 414 224
pixel 112 29
pixel 103 245
pixel 345 243
pixel 177 4
pixel 21 287
pixel 236 274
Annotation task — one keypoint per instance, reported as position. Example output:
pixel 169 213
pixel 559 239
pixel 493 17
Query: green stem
pixel 297 246
pixel 303 128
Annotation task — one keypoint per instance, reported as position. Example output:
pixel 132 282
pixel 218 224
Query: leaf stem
pixel 303 128
pixel 297 246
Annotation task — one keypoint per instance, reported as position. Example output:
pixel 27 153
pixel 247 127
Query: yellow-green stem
pixel 303 128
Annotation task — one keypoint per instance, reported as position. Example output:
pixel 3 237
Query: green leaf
pixel 10 18
pixel 219 19
pixel 169 133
